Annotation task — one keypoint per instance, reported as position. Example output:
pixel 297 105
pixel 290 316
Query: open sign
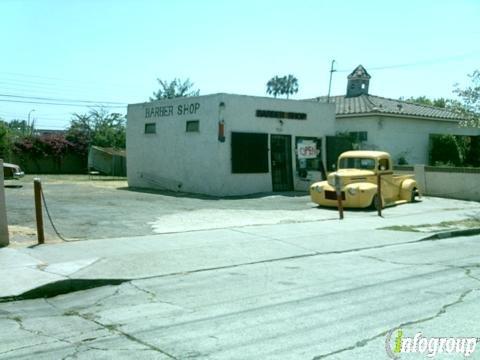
pixel 307 150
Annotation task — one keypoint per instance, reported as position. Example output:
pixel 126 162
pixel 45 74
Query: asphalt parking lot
pixel 84 208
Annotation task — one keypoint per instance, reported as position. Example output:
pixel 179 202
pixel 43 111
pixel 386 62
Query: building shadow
pixel 178 194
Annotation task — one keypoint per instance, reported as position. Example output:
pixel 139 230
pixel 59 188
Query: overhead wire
pixel 76 82
pixel 418 63
pixel 62 100
pixel 64 104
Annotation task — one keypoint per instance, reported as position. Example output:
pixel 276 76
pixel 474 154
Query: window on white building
pixel 150 128
pixel 193 126
pixel 249 153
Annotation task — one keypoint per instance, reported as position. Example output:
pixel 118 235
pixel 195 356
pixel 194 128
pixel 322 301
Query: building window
pixel 308 150
pixel 383 165
pixel 358 136
pixel 281 115
pixel 193 126
pixel 150 128
pixel 249 153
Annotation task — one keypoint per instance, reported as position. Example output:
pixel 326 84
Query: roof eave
pixel 404 116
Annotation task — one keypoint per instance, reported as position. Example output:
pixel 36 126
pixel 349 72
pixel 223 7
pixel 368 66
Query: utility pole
pixel 28 123
pixel 330 82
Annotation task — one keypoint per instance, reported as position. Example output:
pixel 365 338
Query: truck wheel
pixel 413 195
pixel 375 203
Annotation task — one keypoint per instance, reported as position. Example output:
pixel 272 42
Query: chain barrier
pixel 50 218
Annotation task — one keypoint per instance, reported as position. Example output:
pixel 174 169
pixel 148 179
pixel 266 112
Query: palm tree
pixel 285 85
pixel 275 86
pixel 290 85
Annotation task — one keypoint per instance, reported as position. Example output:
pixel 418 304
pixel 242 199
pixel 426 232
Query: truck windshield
pixel 357 163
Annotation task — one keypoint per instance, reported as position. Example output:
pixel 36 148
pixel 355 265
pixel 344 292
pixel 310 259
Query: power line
pixel 419 63
pixel 61 100
pixel 60 104
pixel 57 79
pixel 55 86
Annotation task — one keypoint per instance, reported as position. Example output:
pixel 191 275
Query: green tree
pixel 97 127
pixel 20 128
pixel 423 100
pixel 284 85
pixel 174 89
pixel 5 140
pixel 275 86
pixel 444 150
pixel 469 104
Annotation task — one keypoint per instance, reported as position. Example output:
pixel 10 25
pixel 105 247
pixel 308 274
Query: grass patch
pixel 400 228
pixel 455 224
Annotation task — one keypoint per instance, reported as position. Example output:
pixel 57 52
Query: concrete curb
pixel 452 233
pixel 69 285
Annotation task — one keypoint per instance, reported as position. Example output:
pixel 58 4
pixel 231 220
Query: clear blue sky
pixel 106 50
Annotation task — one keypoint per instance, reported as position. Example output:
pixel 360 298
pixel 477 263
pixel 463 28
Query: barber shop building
pixel 225 144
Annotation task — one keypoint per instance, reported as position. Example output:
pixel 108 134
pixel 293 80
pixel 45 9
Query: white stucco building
pixel 225 144
pixel 399 127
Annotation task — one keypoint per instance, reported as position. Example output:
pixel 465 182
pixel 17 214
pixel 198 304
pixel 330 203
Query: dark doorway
pixel 335 146
pixel 281 152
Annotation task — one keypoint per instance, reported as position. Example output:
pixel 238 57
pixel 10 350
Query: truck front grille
pixel 332 195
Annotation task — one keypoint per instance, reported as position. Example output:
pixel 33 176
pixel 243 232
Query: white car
pixel 12 171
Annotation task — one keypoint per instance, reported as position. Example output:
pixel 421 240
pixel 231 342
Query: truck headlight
pixel 352 191
pixel 318 189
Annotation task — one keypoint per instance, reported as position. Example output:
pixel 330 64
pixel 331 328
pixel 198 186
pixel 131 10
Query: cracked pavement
pixel 253 287
pixel 330 305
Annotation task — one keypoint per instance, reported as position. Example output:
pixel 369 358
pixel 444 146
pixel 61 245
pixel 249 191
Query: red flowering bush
pixel 54 145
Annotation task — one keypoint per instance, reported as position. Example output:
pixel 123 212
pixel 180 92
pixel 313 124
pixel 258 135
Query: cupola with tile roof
pixel 358 82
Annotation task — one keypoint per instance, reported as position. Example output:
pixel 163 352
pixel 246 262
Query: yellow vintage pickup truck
pixel 357 173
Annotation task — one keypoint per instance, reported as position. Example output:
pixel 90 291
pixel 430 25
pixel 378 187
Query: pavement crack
pixel 364 342
pixel 466 269
pixel 115 329
pixel 152 295
pixel 115 293
pixel 400 263
pixel 22 327
pixel 468 272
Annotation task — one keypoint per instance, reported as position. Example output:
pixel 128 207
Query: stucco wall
pixel 456 183
pixel 401 136
pixel 198 162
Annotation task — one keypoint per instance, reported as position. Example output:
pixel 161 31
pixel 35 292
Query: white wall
pixel 456 183
pixel 198 162
pixel 401 136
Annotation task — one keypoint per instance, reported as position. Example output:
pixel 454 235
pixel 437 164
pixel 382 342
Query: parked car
pixel 357 172
pixel 12 171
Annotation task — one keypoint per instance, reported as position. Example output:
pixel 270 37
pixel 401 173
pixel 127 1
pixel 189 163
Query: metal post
pixel 330 82
pixel 37 190
pixel 379 194
pixel 338 190
pixel 4 240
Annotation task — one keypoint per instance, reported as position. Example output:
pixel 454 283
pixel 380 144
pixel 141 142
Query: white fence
pixel 448 182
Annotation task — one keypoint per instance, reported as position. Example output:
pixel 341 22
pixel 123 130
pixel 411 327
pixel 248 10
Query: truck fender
pixel 370 189
pixel 406 189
